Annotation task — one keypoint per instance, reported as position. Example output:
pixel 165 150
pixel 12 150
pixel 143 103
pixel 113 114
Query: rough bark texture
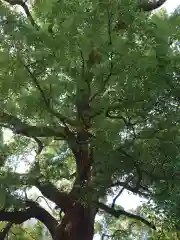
pixel 77 224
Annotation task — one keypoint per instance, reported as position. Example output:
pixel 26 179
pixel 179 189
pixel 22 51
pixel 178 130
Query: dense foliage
pixel 131 229
pixel 91 93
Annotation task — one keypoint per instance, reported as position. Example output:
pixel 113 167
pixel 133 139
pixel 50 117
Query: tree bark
pixel 77 223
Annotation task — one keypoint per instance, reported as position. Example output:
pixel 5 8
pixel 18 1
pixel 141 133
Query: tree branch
pixel 141 5
pixel 59 116
pixel 26 10
pixel 118 213
pixel 33 210
pixel 40 145
pixel 150 5
pixel 138 170
pixel 145 192
pixel 121 191
pixel 117 196
pixel 20 127
pixel 61 199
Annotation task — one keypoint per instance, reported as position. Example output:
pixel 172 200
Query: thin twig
pixel 45 201
pixel 59 116
pixel 138 170
pixel 121 191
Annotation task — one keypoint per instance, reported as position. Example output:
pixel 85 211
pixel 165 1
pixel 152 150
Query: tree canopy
pixel 91 92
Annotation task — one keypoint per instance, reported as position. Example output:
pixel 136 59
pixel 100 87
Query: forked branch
pixel 61 199
pixel 121 191
pixel 118 213
pixel 142 191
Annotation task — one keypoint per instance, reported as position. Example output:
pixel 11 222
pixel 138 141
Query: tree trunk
pixel 77 223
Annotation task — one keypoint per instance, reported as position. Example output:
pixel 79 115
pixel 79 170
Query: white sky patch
pixel 129 201
pixel 7 135
pixel 171 5
pixel 24 163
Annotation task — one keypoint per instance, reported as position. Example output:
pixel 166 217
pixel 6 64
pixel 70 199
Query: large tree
pixel 95 84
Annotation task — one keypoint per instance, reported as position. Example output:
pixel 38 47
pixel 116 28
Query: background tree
pixel 26 232
pixel 132 229
pixel 95 85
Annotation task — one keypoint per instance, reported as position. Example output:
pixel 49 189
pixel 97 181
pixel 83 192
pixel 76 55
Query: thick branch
pixel 150 5
pixel 61 199
pixel 20 127
pixel 26 10
pixel 118 213
pixel 16 217
pixel 33 210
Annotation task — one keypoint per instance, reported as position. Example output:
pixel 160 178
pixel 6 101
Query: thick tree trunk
pixel 77 223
